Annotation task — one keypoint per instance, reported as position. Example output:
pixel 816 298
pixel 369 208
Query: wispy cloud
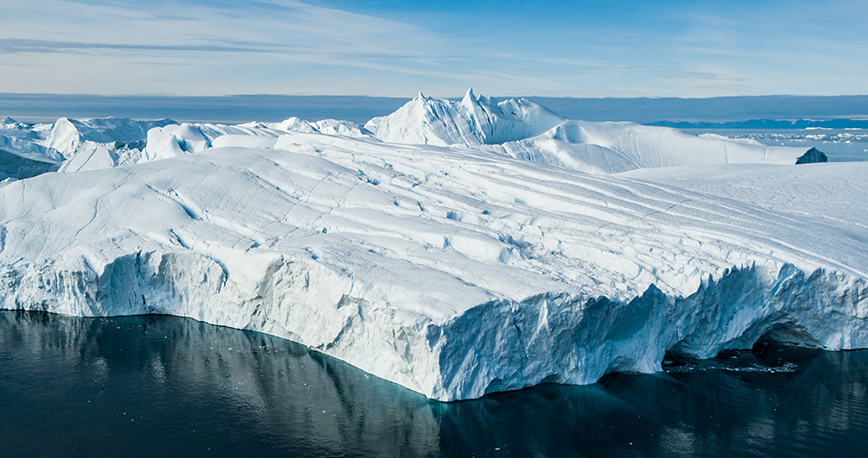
pixel 12 45
pixel 200 47
pixel 224 38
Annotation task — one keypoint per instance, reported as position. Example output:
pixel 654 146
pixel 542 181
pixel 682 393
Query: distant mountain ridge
pixel 768 124
pixel 359 109
pixel 714 109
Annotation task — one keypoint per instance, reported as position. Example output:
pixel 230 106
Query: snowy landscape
pixel 456 248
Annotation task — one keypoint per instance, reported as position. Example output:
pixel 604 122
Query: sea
pixel 147 386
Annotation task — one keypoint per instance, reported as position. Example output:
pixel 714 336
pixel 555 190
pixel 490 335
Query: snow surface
pixel 832 193
pixel 492 264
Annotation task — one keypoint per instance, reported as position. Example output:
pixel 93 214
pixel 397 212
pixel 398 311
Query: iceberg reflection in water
pixel 158 385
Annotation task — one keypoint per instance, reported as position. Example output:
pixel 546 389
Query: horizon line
pixel 52 94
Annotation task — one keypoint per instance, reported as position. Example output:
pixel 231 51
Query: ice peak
pixel 476 120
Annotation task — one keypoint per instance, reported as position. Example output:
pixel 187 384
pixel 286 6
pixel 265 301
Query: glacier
pixel 454 248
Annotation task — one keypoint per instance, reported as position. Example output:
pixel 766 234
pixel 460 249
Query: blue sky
pixel 394 48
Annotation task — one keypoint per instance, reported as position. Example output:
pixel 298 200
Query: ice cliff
pixel 452 270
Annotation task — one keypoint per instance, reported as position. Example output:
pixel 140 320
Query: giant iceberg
pixel 454 248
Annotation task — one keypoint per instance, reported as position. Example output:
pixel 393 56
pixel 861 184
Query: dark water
pixel 165 386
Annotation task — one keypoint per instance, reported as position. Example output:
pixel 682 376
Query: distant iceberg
pixel 454 248
pixel 476 120
pixel 525 130
pixel 70 136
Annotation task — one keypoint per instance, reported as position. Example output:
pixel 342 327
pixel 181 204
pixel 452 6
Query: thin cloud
pixel 10 46
pixel 46 46
pixel 702 76
pixel 223 47
pixel 734 88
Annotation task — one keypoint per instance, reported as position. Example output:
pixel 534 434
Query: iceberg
pixel 522 129
pixel 451 264
pixel 476 120
pixel 69 136
pixel 21 152
pixel 614 147
pixel 187 138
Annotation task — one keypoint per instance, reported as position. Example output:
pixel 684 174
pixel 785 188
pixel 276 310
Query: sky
pixel 652 48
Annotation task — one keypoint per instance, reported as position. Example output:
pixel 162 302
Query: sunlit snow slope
pixel 452 270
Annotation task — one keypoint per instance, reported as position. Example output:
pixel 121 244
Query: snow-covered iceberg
pixel 613 147
pixel 525 130
pixel 476 120
pixel 453 271
pixel 70 136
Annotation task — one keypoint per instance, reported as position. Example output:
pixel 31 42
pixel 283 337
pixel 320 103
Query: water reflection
pixel 163 385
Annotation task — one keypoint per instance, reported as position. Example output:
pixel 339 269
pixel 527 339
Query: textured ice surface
pixel 454 271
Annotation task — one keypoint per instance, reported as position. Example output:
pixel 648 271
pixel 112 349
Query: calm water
pixel 165 386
